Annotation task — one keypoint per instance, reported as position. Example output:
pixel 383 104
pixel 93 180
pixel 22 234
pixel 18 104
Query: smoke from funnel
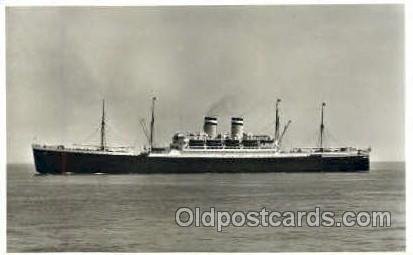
pixel 227 104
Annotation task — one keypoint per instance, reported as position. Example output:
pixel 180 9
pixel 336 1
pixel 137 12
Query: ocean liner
pixel 206 151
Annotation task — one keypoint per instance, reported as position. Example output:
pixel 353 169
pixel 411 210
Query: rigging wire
pixel 332 138
pixel 114 133
pixel 94 133
pixel 145 130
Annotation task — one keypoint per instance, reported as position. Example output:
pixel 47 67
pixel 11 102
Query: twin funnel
pixel 210 126
pixel 237 127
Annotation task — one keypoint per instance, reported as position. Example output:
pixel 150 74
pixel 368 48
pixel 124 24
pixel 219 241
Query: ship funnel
pixel 210 126
pixel 237 126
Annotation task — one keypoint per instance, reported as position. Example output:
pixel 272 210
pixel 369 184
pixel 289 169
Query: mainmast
pixel 322 125
pixel 277 121
pixel 152 123
pixel 102 128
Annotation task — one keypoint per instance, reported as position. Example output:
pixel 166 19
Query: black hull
pixel 62 162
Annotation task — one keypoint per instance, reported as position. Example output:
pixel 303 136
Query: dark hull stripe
pixel 58 162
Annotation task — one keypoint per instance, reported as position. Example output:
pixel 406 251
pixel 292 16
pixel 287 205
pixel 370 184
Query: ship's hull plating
pixel 61 162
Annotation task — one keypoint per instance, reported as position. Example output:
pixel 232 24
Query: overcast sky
pixel 61 62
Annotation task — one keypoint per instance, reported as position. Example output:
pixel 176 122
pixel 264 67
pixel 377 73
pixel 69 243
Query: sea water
pixel 136 213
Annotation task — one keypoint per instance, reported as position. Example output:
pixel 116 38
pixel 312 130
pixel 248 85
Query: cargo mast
pixel 277 121
pixel 152 123
pixel 102 128
pixel 322 125
pixel 283 132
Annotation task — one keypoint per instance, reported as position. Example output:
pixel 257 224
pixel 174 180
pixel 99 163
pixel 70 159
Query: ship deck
pixel 250 153
pixel 91 150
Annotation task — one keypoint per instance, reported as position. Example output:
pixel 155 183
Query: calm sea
pixel 136 213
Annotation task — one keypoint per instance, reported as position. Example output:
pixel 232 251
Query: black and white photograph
pixel 205 128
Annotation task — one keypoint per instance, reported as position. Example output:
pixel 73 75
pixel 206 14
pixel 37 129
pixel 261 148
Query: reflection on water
pixel 136 213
